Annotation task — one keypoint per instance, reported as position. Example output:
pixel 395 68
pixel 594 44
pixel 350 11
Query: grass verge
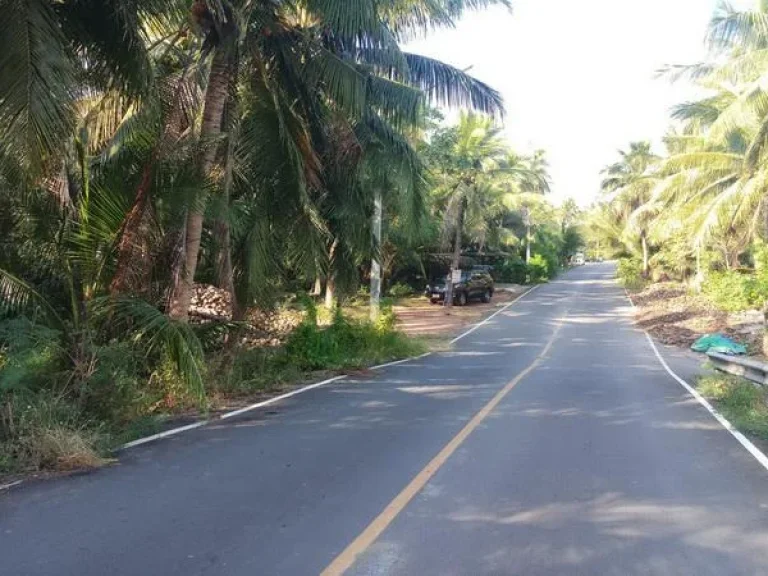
pixel 741 402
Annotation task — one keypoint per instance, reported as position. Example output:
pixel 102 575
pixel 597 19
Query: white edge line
pixel 403 361
pixel 743 440
pixel 228 415
pixel 10 485
pixel 171 432
pixel 281 397
pixel 492 316
pixel 257 405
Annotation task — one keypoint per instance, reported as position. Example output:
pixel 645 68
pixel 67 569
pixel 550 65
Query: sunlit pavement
pixel 595 462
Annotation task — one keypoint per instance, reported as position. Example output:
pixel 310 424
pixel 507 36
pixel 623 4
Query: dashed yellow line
pixel 347 558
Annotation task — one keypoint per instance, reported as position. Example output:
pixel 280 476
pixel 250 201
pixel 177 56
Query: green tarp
pixel 718 343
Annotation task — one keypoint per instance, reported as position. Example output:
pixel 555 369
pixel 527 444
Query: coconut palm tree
pixel 330 61
pixel 627 186
pixel 55 54
pixel 474 172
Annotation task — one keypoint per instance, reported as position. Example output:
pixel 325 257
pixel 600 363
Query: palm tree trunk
pixel 224 272
pixel 456 261
pixel 330 292
pixel 376 261
pixel 132 233
pixel 318 288
pixel 225 278
pixel 130 236
pixel 698 280
pixel 644 242
pixel 330 282
pixel 215 99
pixel 528 244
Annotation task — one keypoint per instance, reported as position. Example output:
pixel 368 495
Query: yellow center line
pixel 347 558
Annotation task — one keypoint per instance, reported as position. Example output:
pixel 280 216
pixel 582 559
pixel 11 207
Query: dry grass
pixel 56 448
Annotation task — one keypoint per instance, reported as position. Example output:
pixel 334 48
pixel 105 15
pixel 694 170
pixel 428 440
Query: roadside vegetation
pixel 189 194
pixel 743 403
pixel 694 215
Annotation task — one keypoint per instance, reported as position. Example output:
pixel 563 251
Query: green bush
pixel 511 271
pixel 400 290
pixel 257 369
pixel 346 344
pixel 117 391
pixel 743 403
pixel 630 273
pixel 31 356
pixel 733 291
pixel 538 269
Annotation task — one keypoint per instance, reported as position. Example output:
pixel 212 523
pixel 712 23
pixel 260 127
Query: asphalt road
pixel 549 441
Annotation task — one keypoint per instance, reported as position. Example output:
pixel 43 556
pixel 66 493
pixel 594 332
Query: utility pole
pixel 376 261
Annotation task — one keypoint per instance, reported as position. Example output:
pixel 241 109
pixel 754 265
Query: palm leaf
pixel 37 77
pixel 17 295
pixel 446 85
pixel 156 332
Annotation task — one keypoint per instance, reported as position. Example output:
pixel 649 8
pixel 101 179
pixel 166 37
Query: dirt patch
pixel 675 316
pixel 417 317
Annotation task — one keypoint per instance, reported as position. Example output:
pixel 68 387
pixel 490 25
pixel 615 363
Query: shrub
pixel 743 403
pixel 512 271
pixel 30 355
pixel 346 344
pixel 117 389
pixel 734 291
pixel 538 269
pixel 400 290
pixel 387 319
pixel 257 369
pixel 41 431
pixel 630 273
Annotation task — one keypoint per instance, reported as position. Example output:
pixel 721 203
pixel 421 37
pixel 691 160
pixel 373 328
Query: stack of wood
pixel 210 303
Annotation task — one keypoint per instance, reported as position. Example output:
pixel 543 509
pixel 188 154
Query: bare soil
pixel 418 317
pixel 677 317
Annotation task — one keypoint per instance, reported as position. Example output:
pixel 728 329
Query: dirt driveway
pixel 417 317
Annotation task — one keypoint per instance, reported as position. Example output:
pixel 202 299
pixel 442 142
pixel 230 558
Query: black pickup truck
pixel 476 284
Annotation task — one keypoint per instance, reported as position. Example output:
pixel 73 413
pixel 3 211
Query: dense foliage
pixel 151 145
pixel 697 212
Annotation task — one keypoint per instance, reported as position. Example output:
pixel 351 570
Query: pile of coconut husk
pixel 210 303
pixel 260 327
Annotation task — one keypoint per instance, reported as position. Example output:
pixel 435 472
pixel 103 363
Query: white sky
pixel 578 77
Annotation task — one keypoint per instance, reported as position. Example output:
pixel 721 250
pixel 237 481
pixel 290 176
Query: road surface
pixel 549 441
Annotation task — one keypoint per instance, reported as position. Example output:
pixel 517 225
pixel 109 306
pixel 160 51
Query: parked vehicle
pixel 475 284
pixel 578 259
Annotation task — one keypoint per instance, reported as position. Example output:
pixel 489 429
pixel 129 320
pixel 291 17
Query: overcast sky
pixel 578 78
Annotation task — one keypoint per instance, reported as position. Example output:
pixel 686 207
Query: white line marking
pixel 281 397
pixel 171 432
pixel 743 440
pixel 492 316
pixel 396 362
pixel 228 415
pixel 10 485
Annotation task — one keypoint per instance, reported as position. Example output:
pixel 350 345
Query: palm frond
pixel 36 87
pixel 156 332
pixel 16 295
pixel 448 86
pixel 729 28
